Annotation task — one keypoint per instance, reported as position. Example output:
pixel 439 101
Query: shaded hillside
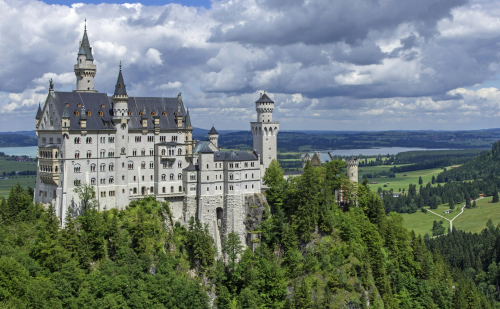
pixel 17 140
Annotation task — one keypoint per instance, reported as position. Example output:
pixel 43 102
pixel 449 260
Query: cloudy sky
pixel 335 65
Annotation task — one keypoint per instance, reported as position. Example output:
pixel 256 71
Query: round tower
pixel 352 169
pixel 213 136
pixel 85 68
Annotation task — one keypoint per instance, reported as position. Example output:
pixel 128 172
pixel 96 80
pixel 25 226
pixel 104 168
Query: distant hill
pixel 17 140
pixel 28 133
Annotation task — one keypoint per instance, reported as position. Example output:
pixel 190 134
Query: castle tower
pixel 213 136
pixel 265 131
pixel 352 169
pixel 85 68
pixel 120 119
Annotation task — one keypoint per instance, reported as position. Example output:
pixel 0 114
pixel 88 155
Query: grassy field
pixel 474 220
pixel 12 166
pixel 25 181
pixel 421 223
pixel 400 181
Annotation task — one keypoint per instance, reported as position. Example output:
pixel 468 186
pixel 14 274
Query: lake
pixel 20 151
pixel 31 151
pixel 375 151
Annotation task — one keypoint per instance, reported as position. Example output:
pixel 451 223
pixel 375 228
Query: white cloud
pixel 169 85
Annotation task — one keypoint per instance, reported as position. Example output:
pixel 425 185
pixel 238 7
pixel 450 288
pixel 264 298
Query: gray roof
pixel 213 131
pixel 205 149
pixel 82 51
pixel 264 99
pixel 39 112
pixel 120 84
pixel 323 156
pixel 93 101
pixel 234 156
pixel 192 167
pixel 199 146
pixel 65 113
pixel 86 45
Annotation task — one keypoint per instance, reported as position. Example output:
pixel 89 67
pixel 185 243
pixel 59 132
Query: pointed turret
pixel 188 119
pixel 39 112
pixel 120 89
pixel 178 113
pixel 38 115
pixel 213 136
pixel 85 68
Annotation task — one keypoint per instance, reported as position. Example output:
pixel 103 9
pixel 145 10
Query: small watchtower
pixel 213 136
pixel 352 169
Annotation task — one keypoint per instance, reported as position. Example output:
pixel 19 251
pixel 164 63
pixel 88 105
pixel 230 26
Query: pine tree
pixel 495 196
pixel 420 181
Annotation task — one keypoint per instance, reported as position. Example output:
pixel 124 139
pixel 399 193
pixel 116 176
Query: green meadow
pixel 401 181
pixel 474 220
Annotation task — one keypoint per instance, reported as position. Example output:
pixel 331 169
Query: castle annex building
pixel 131 147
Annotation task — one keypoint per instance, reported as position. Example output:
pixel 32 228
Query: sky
pixel 327 64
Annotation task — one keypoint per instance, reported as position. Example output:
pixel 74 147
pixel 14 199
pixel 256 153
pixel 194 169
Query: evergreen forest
pixel 311 253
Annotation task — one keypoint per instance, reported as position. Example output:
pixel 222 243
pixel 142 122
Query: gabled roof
pixel 205 149
pixel 39 112
pixel 120 84
pixel 213 131
pixel 192 168
pixel 264 99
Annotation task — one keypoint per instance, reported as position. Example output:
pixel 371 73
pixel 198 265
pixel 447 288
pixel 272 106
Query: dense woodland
pixel 312 254
pixel 455 186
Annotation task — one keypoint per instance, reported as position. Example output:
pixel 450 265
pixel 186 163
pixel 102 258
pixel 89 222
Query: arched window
pixel 192 176
pixel 151 165
pixel 89 154
pixel 111 153
pixel 151 152
pixel 102 167
pixel 135 189
pixel 111 179
pixel 179 177
pixel 123 150
pixel 89 140
pixel 143 165
pixel 111 167
pixel 134 152
pixel 76 182
pixel 171 176
pixel 163 177
pixel 163 152
pixel 179 151
pixel 92 167
pixel 143 152
pixel 179 165
pixel 231 188
pixel 130 165
pixel 76 168
pixel 77 154
pixel 230 176
pixel 92 181
pixel 172 189
pixel 77 140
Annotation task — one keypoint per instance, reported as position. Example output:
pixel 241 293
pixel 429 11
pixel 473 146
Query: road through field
pixel 451 221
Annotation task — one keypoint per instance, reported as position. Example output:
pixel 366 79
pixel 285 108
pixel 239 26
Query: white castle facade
pixel 132 147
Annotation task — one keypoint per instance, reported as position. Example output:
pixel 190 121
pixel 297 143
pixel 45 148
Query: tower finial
pixel 120 65
pixel 85 28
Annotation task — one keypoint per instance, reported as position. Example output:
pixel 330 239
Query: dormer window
pixel 77 113
pixel 88 113
pixel 140 113
pixel 130 113
pixel 164 114
pixel 153 114
pixel 102 105
pixel 101 113
pixel 79 105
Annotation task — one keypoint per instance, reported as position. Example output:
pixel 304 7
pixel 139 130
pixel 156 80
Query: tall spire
pixel 120 89
pixel 39 112
pixel 86 44
pixel 188 119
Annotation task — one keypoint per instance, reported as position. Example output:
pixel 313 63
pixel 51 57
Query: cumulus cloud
pixel 357 64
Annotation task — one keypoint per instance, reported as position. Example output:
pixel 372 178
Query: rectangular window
pixel 111 193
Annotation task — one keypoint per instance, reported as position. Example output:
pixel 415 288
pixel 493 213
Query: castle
pixel 131 147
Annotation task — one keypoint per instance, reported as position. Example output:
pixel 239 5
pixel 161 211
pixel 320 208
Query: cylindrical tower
pixel 85 68
pixel 352 169
pixel 264 108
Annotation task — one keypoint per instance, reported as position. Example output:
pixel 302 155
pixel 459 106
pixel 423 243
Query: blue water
pixel 20 151
pixel 31 151
pixel 375 151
